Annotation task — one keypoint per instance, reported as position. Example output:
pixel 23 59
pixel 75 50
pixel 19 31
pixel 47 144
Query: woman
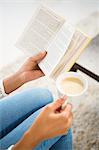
pixel 25 122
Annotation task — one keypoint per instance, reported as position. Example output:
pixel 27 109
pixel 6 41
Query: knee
pixel 44 95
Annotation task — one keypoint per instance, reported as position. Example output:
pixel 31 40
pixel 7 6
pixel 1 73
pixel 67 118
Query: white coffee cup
pixel 71 75
pixel 66 75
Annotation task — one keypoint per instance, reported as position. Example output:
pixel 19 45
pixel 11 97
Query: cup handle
pixel 64 105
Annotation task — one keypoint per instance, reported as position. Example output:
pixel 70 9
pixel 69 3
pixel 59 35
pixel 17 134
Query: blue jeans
pixel 18 112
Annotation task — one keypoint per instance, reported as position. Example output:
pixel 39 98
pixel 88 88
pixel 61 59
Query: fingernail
pixel 64 97
pixel 69 106
pixel 44 52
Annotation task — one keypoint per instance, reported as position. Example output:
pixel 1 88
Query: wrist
pixel 12 83
pixel 27 142
pixel 33 132
pixel 23 144
pixel 21 77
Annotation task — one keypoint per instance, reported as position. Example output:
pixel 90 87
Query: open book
pixel 49 31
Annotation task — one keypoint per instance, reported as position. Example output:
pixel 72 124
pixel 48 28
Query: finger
pixel 35 75
pixel 68 107
pixel 57 104
pixel 69 124
pixel 70 121
pixel 37 67
pixel 38 73
pixel 67 110
pixel 37 58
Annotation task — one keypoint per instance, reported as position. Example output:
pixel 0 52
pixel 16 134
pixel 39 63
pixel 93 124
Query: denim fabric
pixel 17 114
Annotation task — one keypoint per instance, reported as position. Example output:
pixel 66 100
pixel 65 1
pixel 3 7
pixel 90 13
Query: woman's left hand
pixel 29 71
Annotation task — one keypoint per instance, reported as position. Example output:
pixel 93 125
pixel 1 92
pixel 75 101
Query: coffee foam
pixel 71 85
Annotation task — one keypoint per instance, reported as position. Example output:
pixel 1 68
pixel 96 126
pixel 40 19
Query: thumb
pixel 57 104
pixel 32 75
pixel 37 58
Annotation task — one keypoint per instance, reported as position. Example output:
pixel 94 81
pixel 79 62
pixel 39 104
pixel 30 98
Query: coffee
pixel 71 85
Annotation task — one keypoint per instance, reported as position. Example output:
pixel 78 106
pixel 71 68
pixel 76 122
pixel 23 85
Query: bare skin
pixel 57 122
pixel 52 118
pixel 29 71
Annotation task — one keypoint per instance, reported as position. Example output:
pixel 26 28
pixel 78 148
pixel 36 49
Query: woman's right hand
pixel 51 122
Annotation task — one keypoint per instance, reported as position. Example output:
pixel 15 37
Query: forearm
pixel 12 83
pixel 23 144
pixel 28 142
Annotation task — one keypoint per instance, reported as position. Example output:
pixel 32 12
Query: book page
pixel 57 49
pixel 78 43
pixel 40 31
